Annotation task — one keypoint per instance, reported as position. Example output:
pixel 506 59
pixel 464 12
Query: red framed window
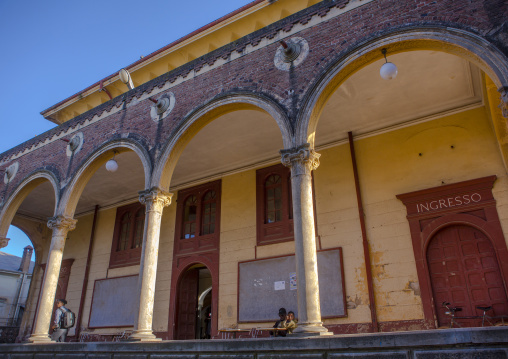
pixel 198 218
pixel 128 236
pixel 274 207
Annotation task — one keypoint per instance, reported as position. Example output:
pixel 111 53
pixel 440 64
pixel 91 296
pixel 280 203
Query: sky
pixel 53 49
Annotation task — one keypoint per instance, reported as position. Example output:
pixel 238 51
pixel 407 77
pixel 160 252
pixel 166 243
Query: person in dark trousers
pixel 280 324
pixel 59 334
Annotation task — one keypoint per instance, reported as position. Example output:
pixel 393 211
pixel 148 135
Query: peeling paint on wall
pixel 353 303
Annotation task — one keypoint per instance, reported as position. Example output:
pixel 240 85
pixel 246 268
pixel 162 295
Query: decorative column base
pixel 310 330
pixel 144 336
pixel 39 339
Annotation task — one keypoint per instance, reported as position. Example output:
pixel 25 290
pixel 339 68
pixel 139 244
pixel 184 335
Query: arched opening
pixel 212 170
pixel 98 198
pixel 464 271
pixel 429 85
pixel 228 125
pixel 468 47
pixel 16 268
pixel 23 220
pixel 194 304
pixel 430 126
pixel 93 184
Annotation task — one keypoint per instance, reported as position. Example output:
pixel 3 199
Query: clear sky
pixel 53 49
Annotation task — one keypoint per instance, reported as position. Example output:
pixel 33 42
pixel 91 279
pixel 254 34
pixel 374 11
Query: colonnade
pixel 301 160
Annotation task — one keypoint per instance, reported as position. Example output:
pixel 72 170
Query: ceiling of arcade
pixel 429 85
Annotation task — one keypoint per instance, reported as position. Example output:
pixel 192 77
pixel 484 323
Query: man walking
pixel 59 333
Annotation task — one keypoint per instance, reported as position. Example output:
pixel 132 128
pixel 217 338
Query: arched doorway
pixel 464 271
pixel 194 303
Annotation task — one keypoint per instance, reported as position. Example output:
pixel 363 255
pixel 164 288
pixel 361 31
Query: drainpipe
pixel 20 292
pixel 87 272
pixel 366 252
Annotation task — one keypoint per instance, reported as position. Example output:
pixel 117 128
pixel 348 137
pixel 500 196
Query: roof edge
pixel 45 112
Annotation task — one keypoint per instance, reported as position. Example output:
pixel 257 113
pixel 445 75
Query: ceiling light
pixel 388 71
pixel 112 165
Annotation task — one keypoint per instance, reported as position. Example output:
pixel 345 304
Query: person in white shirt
pixel 59 334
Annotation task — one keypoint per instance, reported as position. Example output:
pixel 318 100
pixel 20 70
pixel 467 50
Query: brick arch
pixel 17 196
pixel 203 115
pixel 84 173
pixel 467 45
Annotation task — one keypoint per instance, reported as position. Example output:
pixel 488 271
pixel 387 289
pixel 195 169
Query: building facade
pixel 15 277
pixel 262 162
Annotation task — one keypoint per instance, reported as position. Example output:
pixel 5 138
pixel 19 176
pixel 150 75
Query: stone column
pixel 60 226
pixel 302 160
pixel 155 200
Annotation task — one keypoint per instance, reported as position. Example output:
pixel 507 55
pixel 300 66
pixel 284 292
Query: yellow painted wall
pixel 100 255
pixel 396 169
pixel 388 164
pixel 339 226
pixel 76 247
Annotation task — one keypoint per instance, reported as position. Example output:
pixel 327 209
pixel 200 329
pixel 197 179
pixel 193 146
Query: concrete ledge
pixel 449 343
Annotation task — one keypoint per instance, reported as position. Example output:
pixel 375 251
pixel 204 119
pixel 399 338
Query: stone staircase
pixel 461 343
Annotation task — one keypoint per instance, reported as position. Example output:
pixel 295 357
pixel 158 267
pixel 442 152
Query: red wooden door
pixel 187 304
pixel 464 271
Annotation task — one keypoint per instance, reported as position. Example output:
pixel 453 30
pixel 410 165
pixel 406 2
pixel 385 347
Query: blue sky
pixel 53 49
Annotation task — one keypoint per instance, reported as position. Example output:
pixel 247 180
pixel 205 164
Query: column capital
pixel 301 156
pixel 62 222
pixel 504 100
pixel 155 199
pixel 4 242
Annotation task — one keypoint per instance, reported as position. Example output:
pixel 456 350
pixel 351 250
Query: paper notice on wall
pixel 280 285
pixel 292 281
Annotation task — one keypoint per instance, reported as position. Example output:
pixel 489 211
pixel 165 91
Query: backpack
pixel 68 319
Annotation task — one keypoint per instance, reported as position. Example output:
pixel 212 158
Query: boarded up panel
pixel 114 302
pixel 265 286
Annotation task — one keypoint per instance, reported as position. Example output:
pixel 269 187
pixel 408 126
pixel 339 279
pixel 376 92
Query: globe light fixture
pixel 112 165
pixel 388 71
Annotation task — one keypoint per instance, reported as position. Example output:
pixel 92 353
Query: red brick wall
pixel 255 73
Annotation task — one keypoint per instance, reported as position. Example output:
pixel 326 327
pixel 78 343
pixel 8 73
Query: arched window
pixel 274 206
pixel 273 199
pixel 125 231
pixel 128 236
pixel 189 217
pixel 198 218
pixel 208 207
pixel 139 226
